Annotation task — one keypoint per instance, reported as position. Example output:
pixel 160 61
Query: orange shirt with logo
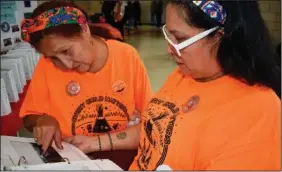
pixel 231 126
pixel 106 99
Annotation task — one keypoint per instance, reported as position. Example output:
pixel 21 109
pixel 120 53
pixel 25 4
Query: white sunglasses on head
pixel 188 42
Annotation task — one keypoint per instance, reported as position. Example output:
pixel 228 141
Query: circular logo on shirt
pixel 73 88
pixel 157 129
pixel 99 115
pixel 119 86
pixel 191 104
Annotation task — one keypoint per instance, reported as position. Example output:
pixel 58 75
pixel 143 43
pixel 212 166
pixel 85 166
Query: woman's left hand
pixel 86 144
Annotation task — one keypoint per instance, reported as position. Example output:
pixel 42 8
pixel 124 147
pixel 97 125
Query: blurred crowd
pixel 125 16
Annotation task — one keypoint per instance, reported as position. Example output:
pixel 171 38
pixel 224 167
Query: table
pixel 123 158
pixel 10 124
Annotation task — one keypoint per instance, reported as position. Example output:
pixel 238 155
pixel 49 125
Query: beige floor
pixel 151 46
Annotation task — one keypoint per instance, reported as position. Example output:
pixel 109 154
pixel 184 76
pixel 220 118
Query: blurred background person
pixel 129 18
pixel 159 12
pixel 137 13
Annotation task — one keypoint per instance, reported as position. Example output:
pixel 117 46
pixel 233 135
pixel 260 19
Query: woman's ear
pixel 220 33
pixel 215 41
pixel 85 31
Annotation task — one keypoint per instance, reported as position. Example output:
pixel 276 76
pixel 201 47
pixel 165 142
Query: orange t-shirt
pixel 106 99
pixel 232 127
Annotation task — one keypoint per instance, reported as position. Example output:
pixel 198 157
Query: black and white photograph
pixel 27 3
pixel 7 42
pixel 15 28
pixel 17 40
pixel 5 26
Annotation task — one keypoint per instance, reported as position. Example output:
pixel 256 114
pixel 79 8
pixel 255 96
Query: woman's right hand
pixel 46 131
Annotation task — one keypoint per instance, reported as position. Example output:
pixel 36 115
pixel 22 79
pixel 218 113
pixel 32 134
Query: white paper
pixel 6 64
pixel 38 55
pixel 71 152
pixel 106 164
pixel 20 62
pixel 5 104
pixel 23 44
pixel 9 154
pixel 77 165
pixel 26 62
pixel 163 168
pixel 32 52
pixel 9 79
pixel 12 148
pixel 24 148
pixel 28 53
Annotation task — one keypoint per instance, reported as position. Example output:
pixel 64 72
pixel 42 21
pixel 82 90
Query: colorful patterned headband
pixel 51 18
pixel 213 9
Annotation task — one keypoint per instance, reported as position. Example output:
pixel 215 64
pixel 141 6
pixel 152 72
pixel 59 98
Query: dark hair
pixel 245 50
pixel 66 30
pixel 278 51
pixel 95 18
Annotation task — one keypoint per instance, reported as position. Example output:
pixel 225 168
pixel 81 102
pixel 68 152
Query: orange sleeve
pixel 142 87
pixel 36 100
pixel 258 147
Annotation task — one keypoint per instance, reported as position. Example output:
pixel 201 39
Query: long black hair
pixel 278 52
pixel 245 50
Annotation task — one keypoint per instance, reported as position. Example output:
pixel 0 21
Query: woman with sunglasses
pixel 218 110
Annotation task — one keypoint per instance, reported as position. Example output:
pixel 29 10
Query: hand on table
pixel 46 131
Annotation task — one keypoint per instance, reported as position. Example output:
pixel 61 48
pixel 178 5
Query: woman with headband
pixel 86 90
pixel 218 110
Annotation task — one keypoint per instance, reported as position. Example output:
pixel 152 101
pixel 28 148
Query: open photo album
pixel 18 153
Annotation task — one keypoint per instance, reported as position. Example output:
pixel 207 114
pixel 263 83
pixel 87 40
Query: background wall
pixel 90 6
pixel 271 13
pixel 19 15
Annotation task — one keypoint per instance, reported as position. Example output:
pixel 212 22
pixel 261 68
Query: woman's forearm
pixel 30 121
pixel 127 139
